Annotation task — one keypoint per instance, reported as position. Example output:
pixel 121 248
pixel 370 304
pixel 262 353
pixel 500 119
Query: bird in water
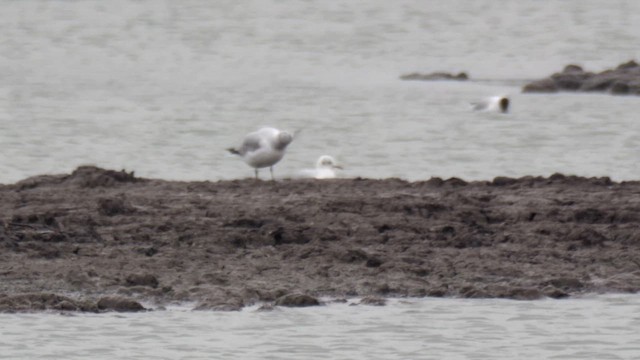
pixel 263 148
pixel 494 103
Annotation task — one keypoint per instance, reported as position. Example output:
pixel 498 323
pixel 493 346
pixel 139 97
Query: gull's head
pixel 504 104
pixel 283 139
pixel 327 162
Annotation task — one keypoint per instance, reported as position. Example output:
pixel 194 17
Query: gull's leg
pixel 256 170
pixel 272 178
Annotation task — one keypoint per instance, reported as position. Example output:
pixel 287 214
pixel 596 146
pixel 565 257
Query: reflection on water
pixel 602 327
pixel 163 88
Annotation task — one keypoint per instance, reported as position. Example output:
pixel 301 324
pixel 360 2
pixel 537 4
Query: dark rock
pixel 150 251
pixel 554 293
pixel 214 305
pixel 620 88
pixel 589 216
pixel 541 86
pixel 435 182
pixel 455 182
pixel 79 279
pixel 587 237
pixel 566 284
pixel 142 280
pixel 570 80
pixel 40 180
pixel 631 64
pixel 245 223
pixel 282 236
pixel 598 83
pixel 352 256
pixel 474 293
pixel 503 181
pixel 383 289
pixel 66 305
pixel 437 292
pixel 572 69
pixel 119 304
pixel 266 308
pixel 42 301
pixel 524 294
pixel 373 262
pixel 624 79
pixel 435 76
pixel 114 206
pixel 557 177
pixel 91 177
pixel 339 301
pixel 297 300
pixel 634 87
pixel 373 301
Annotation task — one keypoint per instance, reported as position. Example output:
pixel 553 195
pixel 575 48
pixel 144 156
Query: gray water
pixel 603 327
pixel 164 87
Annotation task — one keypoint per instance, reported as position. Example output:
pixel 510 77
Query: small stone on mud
pixel 524 294
pixel 114 206
pixel 218 307
pixel 566 283
pixel 297 300
pixel 266 308
pixel 554 292
pixel 374 262
pixel 142 280
pixel 373 301
pixel 119 304
pixel 353 255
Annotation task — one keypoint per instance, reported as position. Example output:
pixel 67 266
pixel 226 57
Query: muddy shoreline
pixel 101 240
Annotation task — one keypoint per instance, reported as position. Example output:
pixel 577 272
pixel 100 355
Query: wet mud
pixel 103 240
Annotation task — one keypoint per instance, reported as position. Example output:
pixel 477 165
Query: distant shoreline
pixel 103 240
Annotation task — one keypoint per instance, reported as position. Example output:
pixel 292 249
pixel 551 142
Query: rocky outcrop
pixel 623 80
pixel 435 76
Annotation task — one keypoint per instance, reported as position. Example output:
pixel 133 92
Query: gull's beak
pixel 337 167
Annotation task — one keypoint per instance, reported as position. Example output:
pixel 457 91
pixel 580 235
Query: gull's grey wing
pixel 252 142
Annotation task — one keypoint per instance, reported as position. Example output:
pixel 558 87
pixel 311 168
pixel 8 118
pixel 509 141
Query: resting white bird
pixel 494 103
pixel 326 168
pixel 263 148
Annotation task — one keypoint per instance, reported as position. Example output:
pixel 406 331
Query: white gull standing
pixel 494 103
pixel 326 168
pixel 263 148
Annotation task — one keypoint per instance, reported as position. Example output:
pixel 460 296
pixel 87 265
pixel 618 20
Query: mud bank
pixel 99 240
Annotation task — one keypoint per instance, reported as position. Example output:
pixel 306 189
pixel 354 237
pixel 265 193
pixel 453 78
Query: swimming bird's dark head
pixel 504 104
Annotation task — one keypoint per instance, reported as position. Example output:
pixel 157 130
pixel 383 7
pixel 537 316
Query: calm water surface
pixel 163 88
pixel 602 327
